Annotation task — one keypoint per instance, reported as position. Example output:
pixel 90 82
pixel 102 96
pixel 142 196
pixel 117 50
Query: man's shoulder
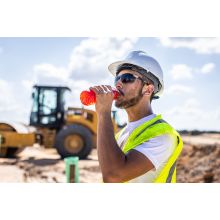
pixel 160 139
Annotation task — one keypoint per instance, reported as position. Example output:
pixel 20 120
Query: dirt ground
pixel 199 162
pixel 36 164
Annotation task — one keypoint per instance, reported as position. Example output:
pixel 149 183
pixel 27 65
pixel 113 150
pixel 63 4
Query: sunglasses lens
pixel 125 78
pixel 128 78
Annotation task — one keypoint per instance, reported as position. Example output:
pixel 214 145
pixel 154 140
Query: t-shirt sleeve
pixel 157 149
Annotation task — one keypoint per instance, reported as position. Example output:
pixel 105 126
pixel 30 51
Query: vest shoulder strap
pixel 155 127
pixel 140 128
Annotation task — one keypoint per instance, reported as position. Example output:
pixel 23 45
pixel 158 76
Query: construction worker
pixel 146 150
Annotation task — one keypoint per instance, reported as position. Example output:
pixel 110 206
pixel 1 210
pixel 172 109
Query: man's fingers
pixel 109 88
pixel 101 89
pixel 105 88
pixel 95 89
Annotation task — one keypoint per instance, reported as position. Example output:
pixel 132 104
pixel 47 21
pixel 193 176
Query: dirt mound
pixel 200 160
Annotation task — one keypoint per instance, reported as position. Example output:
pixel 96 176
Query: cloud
pixel 88 61
pixel 181 71
pixel 191 104
pixel 6 97
pixel 87 65
pixel 13 102
pixel 208 68
pixel 187 115
pixel 177 89
pixel 50 71
pixel 191 108
pixel 199 45
pixel 192 115
pixel 27 84
pixel 91 58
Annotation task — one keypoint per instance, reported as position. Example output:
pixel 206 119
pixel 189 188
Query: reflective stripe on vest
pixel 150 129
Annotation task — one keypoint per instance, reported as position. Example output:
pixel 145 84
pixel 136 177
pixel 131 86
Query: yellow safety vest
pixel 150 129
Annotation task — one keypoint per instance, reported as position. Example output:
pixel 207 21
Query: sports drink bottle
pixel 89 97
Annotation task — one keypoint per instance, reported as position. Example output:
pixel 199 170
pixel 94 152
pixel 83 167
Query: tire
pixel 74 140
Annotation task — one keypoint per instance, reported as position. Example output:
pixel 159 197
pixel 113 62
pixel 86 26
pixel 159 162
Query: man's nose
pixel 118 84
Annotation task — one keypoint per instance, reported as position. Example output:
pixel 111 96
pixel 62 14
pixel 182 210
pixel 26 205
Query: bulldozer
pixel 72 131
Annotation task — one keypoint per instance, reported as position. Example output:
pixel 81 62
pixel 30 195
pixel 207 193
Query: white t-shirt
pixel 157 149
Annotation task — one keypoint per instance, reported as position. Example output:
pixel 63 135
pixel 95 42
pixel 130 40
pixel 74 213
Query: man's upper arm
pixel 136 164
pixel 145 157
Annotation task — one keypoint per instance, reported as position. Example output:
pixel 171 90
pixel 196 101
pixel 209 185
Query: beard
pixel 130 102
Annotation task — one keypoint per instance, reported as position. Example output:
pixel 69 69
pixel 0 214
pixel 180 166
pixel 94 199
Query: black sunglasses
pixel 127 78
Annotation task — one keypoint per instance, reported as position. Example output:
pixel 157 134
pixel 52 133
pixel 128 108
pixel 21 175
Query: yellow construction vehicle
pixel 71 131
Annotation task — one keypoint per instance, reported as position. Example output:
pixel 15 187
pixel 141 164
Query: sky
pixel 190 67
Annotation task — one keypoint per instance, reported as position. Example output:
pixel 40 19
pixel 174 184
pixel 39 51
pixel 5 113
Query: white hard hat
pixel 141 59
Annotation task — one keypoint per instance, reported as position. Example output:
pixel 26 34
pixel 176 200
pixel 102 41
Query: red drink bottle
pixel 89 97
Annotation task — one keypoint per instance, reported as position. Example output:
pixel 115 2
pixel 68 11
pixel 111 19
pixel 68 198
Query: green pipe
pixel 72 169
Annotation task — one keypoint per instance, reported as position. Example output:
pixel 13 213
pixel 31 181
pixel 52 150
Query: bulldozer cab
pixel 48 106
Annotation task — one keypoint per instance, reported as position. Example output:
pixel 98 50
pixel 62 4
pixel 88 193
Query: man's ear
pixel 148 90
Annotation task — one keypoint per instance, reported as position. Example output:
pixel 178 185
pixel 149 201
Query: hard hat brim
pixel 113 67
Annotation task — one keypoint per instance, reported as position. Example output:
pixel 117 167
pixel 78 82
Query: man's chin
pixel 124 104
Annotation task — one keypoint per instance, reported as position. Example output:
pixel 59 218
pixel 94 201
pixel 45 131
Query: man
pixel 146 150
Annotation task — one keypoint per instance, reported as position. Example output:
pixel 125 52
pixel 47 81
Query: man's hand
pixel 104 98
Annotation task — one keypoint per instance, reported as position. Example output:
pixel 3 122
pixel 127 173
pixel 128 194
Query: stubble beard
pixel 131 102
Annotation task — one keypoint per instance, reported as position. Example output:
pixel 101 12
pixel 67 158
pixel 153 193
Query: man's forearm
pixel 110 156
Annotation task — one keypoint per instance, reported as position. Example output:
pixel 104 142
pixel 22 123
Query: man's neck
pixel 138 111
